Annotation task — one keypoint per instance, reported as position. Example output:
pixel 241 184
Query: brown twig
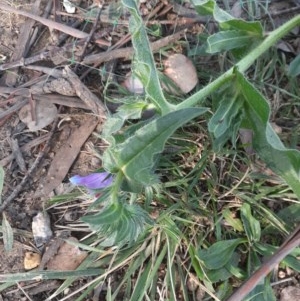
pixel 291 242
pixel 15 107
pixel 90 99
pixel 88 40
pixel 49 23
pixel 23 45
pixel 129 51
pixel 30 172
pixel 25 148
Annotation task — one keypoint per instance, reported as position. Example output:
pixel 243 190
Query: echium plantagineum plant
pixel 130 159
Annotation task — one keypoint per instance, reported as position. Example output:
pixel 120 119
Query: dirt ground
pixel 39 160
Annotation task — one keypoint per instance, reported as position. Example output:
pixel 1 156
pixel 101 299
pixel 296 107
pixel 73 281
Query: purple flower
pixel 93 181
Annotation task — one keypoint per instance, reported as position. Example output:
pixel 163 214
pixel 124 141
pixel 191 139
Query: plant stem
pixel 242 65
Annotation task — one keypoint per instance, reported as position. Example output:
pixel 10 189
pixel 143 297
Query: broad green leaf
pixel 209 7
pixel 217 255
pixel 227 40
pixel 204 7
pixel 261 292
pixel 124 112
pixel 290 214
pixel 294 67
pixel 285 162
pixel 251 224
pixel 8 236
pixel 135 158
pixel 119 222
pixel 252 28
pixel 143 64
pixel 233 222
pixel 222 120
pixel 223 273
pixel 1 181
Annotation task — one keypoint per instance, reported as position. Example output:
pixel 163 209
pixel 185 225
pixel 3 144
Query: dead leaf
pixel 181 71
pixel 45 113
pixel 68 257
pixel 31 260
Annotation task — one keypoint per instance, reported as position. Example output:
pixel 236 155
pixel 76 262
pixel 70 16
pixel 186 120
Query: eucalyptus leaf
pixel 218 255
pixel 135 158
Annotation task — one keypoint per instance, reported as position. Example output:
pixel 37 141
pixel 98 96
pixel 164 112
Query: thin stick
pixel 32 169
pixel 292 242
pixel 129 51
pixel 25 148
pixel 87 41
pixel 49 23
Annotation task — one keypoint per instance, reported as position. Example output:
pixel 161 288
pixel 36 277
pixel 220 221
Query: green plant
pixel 134 151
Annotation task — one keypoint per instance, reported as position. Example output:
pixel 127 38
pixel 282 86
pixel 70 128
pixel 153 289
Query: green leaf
pixel 209 7
pixel 135 158
pixel 124 112
pixel 119 222
pixel 252 28
pixel 251 224
pixel 204 7
pixel 233 222
pixel 8 236
pixel 143 64
pixel 294 67
pixel 217 255
pixel 2 174
pixel 284 162
pixel 225 115
pixel 290 214
pixel 223 273
pixel 227 40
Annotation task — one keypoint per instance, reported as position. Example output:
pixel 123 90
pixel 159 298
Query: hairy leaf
pixel 252 28
pixel 144 65
pixel 119 222
pixel 135 158
pixel 285 162
pixel 227 40
pixel 230 106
